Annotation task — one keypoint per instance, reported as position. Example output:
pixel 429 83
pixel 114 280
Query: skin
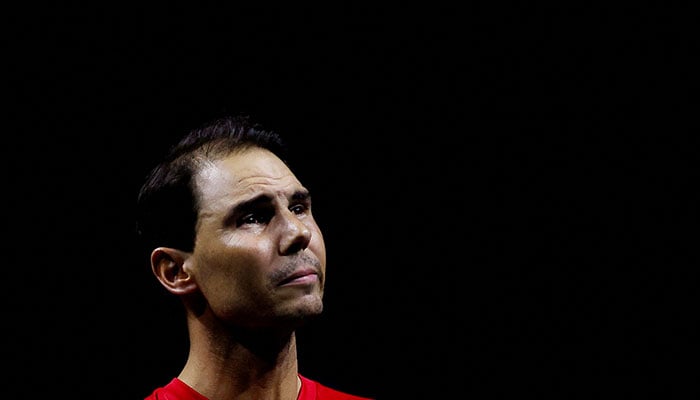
pixel 256 274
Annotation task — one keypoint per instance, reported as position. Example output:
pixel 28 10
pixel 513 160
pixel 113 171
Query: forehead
pixel 243 174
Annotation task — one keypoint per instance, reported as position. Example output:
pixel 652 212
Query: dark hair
pixel 167 202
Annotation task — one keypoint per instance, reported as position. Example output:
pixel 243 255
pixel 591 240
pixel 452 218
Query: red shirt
pixel 310 390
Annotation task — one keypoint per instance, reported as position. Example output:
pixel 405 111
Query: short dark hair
pixel 167 203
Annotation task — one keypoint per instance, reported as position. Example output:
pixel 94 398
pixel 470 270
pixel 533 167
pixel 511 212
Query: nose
pixel 295 235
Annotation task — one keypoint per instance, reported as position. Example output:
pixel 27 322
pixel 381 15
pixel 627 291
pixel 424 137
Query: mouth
pixel 303 270
pixel 301 277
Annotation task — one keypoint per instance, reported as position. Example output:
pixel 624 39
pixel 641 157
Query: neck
pixel 242 364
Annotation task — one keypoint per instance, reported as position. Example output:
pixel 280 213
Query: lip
pixel 301 277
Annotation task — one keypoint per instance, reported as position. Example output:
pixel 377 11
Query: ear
pixel 168 266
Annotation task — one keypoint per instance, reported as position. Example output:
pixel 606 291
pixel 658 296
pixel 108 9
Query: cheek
pixel 232 282
pixel 318 246
pixel 229 271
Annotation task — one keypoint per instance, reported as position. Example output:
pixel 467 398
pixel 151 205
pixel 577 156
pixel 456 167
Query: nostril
pixel 300 243
pixel 295 248
pixel 296 236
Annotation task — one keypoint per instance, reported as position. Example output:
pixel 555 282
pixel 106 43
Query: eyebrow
pixel 301 195
pixel 264 199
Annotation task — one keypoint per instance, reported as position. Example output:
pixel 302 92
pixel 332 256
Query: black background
pixel 508 192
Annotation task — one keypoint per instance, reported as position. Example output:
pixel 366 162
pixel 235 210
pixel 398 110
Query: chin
pixel 311 306
pixel 306 310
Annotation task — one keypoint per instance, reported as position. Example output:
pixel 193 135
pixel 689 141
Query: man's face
pixel 259 257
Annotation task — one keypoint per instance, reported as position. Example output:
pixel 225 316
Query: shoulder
pixel 175 390
pixel 312 390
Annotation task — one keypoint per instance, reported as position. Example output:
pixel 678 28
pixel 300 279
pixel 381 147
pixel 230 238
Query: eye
pixel 260 217
pixel 299 208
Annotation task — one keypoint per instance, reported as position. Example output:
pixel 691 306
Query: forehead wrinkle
pixel 255 182
pixel 265 188
pixel 221 189
pixel 241 176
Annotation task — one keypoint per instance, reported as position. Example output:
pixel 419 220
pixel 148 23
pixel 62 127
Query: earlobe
pixel 168 266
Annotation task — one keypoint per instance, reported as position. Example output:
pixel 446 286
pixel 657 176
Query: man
pixel 230 231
